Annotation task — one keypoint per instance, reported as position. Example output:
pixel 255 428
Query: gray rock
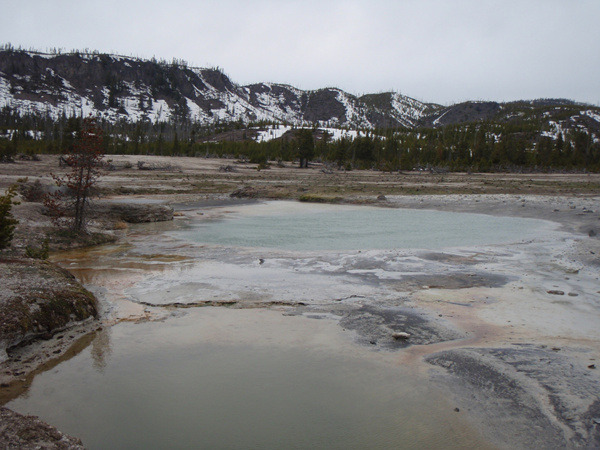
pixel 19 431
pixel 401 335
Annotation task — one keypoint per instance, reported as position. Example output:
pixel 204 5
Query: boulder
pixel 401 335
pixel 38 298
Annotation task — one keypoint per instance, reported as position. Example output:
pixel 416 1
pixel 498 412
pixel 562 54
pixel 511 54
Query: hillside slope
pixel 117 87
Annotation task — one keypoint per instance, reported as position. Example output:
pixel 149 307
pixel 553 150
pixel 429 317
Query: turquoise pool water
pixel 285 225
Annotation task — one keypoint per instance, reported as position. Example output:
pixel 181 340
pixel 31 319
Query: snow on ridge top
pixel 83 55
pixel 411 105
pixel 42 55
pixel 289 87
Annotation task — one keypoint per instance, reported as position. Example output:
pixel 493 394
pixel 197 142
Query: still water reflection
pixel 216 378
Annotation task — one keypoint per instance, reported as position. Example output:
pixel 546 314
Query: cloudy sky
pixel 440 51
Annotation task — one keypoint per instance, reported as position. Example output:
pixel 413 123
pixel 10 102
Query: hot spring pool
pixel 255 378
pixel 301 226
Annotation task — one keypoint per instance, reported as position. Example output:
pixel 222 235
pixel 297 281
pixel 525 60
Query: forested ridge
pixel 480 146
pixel 207 115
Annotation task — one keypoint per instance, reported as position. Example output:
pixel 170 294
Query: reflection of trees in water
pixel 101 349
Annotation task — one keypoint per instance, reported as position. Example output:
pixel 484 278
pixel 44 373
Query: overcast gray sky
pixel 433 50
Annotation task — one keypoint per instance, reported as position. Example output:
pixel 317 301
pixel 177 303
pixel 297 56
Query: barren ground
pixel 191 177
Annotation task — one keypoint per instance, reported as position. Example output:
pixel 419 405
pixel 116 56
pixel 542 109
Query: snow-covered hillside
pixel 121 88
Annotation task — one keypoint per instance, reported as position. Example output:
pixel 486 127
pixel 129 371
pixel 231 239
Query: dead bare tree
pixel 70 207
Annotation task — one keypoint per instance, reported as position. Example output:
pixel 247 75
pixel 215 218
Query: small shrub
pixel 313 198
pixel 8 151
pixel 32 192
pixel 259 158
pixel 120 225
pixel 263 166
pixel 38 252
pixel 7 221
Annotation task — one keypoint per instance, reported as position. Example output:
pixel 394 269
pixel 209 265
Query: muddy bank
pixel 108 219
pixel 38 298
pixel 132 211
pixel 44 310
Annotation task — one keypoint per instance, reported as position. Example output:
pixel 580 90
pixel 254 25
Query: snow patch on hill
pixel 593 114
pixel 277 131
pixel 272 133
pixel 407 110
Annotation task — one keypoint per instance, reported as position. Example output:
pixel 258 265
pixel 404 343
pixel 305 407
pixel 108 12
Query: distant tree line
pixel 524 145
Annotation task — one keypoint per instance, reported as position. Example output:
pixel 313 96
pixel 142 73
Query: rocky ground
pixel 29 432
pixel 511 332
pixel 38 299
